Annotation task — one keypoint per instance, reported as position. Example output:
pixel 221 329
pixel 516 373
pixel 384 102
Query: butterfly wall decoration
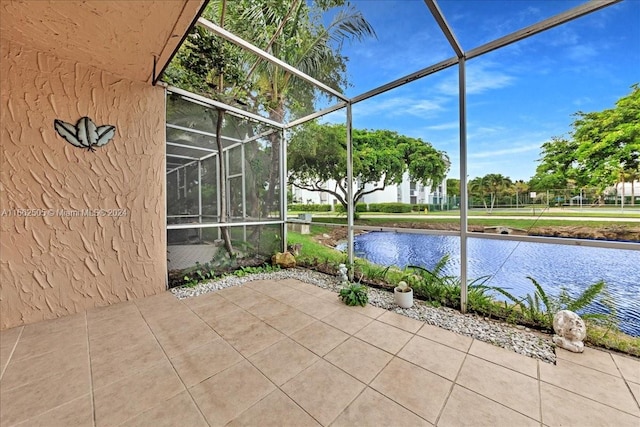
pixel 85 134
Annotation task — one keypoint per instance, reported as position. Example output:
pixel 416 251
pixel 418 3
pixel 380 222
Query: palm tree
pixel 272 28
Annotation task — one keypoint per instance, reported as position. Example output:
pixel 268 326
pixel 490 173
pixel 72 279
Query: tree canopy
pixel 317 153
pixel 603 149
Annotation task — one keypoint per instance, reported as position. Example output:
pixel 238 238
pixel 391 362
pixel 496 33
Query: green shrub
pixel 309 208
pixel 390 207
pixel 354 295
pixel 360 207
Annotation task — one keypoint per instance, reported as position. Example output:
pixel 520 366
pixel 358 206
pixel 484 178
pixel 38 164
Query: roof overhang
pixel 134 39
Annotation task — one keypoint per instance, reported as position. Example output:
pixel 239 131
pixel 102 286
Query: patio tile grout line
pixel 539 378
pixel 172 367
pixel 91 391
pixel 453 384
pixel 13 349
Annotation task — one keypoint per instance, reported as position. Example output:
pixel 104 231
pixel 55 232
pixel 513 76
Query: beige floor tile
pixel 9 337
pixel 259 337
pixel 55 326
pixel 347 321
pixel 513 389
pixel 629 367
pixel 241 295
pixel 179 410
pixel 203 362
pixel 261 284
pixel 234 323
pixel 226 395
pixel 112 366
pixel 275 410
pixel 451 339
pixel 360 359
pixel 400 321
pixel 31 400
pixel 507 358
pixel 210 300
pixel 215 310
pixel 305 287
pixel 433 356
pixel 106 326
pixel 323 391
pixel 635 389
pixel 387 337
pixel 371 409
pixel 591 358
pixel 77 413
pixel 368 310
pixel 120 339
pixel 284 294
pixel 113 310
pixel 563 408
pixel 317 307
pixel 417 389
pixel 62 341
pixel 168 324
pixel 590 383
pixel 184 335
pixel 283 360
pixel 135 394
pixel 289 320
pixel 466 408
pixel 268 308
pixel 8 341
pixel 31 369
pixel 319 337
pixel 159 305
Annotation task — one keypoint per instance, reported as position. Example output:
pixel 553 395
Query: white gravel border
pixel 503 335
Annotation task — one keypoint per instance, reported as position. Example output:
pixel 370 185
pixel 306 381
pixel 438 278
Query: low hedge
pixel 309 208
pixel 390 207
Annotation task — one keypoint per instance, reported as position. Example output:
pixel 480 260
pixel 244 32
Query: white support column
pixel 283 188
pixel 463 185
pixel 350 206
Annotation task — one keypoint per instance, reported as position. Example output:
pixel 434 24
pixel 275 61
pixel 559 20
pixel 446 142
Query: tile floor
pixel 288 353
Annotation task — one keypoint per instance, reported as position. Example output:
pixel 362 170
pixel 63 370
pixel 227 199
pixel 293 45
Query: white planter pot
pixel 403 299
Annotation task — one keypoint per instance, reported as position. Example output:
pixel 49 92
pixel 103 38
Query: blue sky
pixel 518 97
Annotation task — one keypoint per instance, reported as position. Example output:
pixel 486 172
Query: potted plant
pixel 354 294
pixel 403 295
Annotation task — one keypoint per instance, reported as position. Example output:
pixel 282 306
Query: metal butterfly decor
pixel 85 134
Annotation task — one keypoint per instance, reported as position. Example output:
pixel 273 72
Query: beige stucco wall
pixel 54 265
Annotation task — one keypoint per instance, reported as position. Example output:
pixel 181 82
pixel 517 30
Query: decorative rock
pixel 499 334
pixel 284 260
pixel 570 331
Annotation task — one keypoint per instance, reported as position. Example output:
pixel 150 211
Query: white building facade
pixel 405 192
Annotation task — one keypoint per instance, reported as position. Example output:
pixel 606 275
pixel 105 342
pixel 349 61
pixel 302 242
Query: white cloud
pixel 444 126
pixel 504 151
pixel 480 79
pixel 398 106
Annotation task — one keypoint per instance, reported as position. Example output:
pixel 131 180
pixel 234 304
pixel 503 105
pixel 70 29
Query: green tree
pixel 490 186
pixel 453 187
pixel 317 155
pixel 291 30
pixel 603 148
pixel 558 165
pixel 609 141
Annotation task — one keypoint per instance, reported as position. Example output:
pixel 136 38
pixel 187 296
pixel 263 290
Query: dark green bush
pixel 390 207
pixel 309 208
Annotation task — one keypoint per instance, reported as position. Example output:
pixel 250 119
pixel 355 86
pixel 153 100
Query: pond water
pixel 509 263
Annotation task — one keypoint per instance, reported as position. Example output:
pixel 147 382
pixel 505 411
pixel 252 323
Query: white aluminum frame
pixel 460 59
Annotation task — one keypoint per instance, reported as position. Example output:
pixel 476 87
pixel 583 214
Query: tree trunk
pixel 222 180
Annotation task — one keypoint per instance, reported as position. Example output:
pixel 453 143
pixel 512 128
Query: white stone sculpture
pixel 342 269
pixel 570 331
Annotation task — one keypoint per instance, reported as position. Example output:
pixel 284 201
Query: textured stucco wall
pixel 54 265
